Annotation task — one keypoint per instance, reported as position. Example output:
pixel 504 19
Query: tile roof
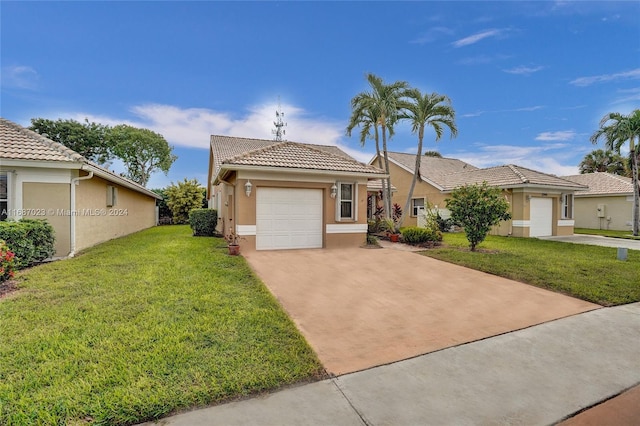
pixel 601 183
pixel 229 150
pixel 433 169
pixel 19 143
pixel 509 176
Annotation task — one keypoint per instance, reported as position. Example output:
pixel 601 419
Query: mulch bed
pixel 7 287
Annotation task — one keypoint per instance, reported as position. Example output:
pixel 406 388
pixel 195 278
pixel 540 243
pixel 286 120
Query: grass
pixel 590 273
pixel 140 327
pixel 607 233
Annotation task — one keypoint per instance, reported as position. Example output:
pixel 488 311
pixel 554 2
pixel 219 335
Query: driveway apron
pixel 360 308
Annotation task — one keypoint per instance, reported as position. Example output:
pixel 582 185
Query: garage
pixel 288 218
pixel 541 214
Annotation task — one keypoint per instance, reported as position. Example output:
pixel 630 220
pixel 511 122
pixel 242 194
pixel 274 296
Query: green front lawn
pixel 140 327
pixel 606 233
pixel 591 273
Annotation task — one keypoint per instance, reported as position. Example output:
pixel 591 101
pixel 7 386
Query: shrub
pixel 30 240
pixel 182 198
pixel 203 222
pixel 417 235
pixel 7 262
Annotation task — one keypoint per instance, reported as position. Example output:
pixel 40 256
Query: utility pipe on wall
pixel 74 182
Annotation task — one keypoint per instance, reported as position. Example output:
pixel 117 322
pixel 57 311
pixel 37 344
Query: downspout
pixel 73 212
pixel 224 224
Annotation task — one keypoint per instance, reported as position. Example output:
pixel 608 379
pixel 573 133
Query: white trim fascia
pixel 334 173
pixel 521 223
pixel 246 230
pixel 346 228
pixel 622 194
pixel 566 222
pixel 42 164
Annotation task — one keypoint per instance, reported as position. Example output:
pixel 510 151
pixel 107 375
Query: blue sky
pixel 529 80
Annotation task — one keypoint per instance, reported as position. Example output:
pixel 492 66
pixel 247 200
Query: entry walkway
pixel 596 240
pixel 536 376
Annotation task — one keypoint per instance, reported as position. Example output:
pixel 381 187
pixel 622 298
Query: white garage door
pixel 288 218
pixel 541 223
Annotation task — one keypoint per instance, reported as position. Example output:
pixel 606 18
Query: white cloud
pixel 550 158
pixel 588 81
pixel 630 95
pixel 192 127
pixel 472 39
pixel 523 70
pixel 563 135
pixel 20 77
pixel 431 35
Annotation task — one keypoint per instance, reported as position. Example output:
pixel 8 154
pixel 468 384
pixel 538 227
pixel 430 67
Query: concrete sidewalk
pixel 596 240
pixel 536 376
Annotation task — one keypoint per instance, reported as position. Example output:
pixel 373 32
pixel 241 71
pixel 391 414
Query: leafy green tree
pixel 601 160
pixel 429 109
pixel 477 208
pixel 182 198
pixel 142 152
pixel 163 209
pixel 432 154
pixel 379 108
pixel 617 129
pixel 87 139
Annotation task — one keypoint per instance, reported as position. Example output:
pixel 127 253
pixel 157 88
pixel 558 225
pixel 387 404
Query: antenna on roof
pixel 279 132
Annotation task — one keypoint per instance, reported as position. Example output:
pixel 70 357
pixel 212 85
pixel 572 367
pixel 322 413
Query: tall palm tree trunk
pixel 416 174
pixel 636 189
pixel 387 190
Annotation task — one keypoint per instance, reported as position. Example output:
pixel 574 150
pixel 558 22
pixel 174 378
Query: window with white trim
pixel 417 205
pixel 346 201
pixel 567 206
pixel 4 195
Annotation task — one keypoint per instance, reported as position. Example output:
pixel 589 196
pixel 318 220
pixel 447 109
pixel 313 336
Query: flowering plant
pixel 7 261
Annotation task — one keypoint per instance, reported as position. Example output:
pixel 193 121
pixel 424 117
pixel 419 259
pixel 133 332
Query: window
pixel 346 204
pixel 112 195
pixel 417 205
pixel 567 206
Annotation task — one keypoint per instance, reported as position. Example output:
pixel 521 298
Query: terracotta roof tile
pixel 19 143
pixel 433 169
pixel 508 176
pixel 601 183
pixel 291 155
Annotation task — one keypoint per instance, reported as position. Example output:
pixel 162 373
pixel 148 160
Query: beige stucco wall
pixel 617 214
pixel 240 210
pixel 50 201
pixel 96 223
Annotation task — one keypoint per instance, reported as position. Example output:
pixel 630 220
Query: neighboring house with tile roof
pixel 288 195
pixel 541 204
pixel 606 204
pixel 85 203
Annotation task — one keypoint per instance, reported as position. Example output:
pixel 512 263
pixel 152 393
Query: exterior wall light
pixel 334 190
pixel 247 188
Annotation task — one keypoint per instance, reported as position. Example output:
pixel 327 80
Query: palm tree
pixel 378 108
pixel 429 109
pixel 616 129
pixel 608 161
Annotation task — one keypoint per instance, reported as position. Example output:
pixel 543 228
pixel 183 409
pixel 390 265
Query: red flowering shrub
pixel 7 260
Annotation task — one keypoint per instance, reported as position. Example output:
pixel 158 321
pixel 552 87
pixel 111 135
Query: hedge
pixel 31 240
pixel 416 235
pixel 203 222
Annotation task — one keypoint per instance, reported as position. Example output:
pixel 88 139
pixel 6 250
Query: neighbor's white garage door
pixel 288 218
pixel 541 223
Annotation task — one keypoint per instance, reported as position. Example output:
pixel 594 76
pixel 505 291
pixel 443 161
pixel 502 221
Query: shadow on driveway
pixel 359 308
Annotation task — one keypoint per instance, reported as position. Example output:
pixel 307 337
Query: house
pixel 85 203
pixel 541 204
pixel 606 204
pixel 288 195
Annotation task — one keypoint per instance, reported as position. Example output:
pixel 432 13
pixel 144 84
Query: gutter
pixel 74 182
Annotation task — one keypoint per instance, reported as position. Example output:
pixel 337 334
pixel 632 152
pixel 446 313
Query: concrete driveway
pixel 359 308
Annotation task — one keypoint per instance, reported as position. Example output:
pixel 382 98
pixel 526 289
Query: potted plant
pixel 393 230
pixel 233 240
